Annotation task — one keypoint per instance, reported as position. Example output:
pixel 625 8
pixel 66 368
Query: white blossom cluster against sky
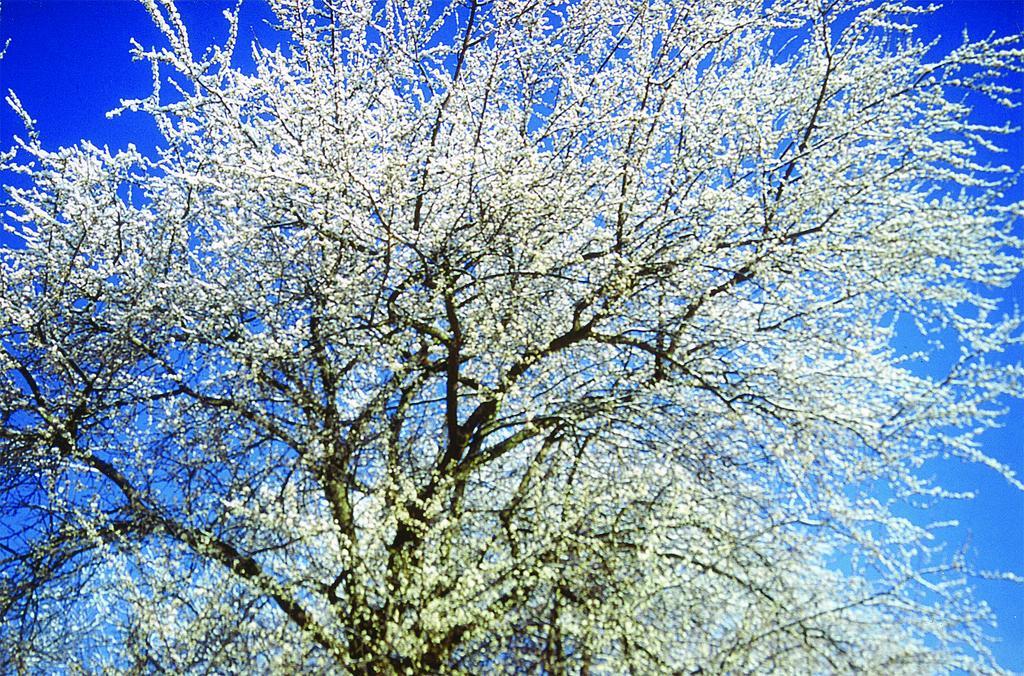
pixel 69 64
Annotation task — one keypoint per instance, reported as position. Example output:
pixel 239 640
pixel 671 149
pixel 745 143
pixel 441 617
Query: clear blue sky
pixel 69 63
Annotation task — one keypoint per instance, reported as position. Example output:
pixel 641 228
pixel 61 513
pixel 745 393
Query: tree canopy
pixel 508 336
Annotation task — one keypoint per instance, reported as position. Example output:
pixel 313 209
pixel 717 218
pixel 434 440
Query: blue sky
pixel 69 63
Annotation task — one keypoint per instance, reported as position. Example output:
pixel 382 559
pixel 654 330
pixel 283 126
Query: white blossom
pixel 508 337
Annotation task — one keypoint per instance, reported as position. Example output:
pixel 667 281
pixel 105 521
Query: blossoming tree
pixel 506 336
